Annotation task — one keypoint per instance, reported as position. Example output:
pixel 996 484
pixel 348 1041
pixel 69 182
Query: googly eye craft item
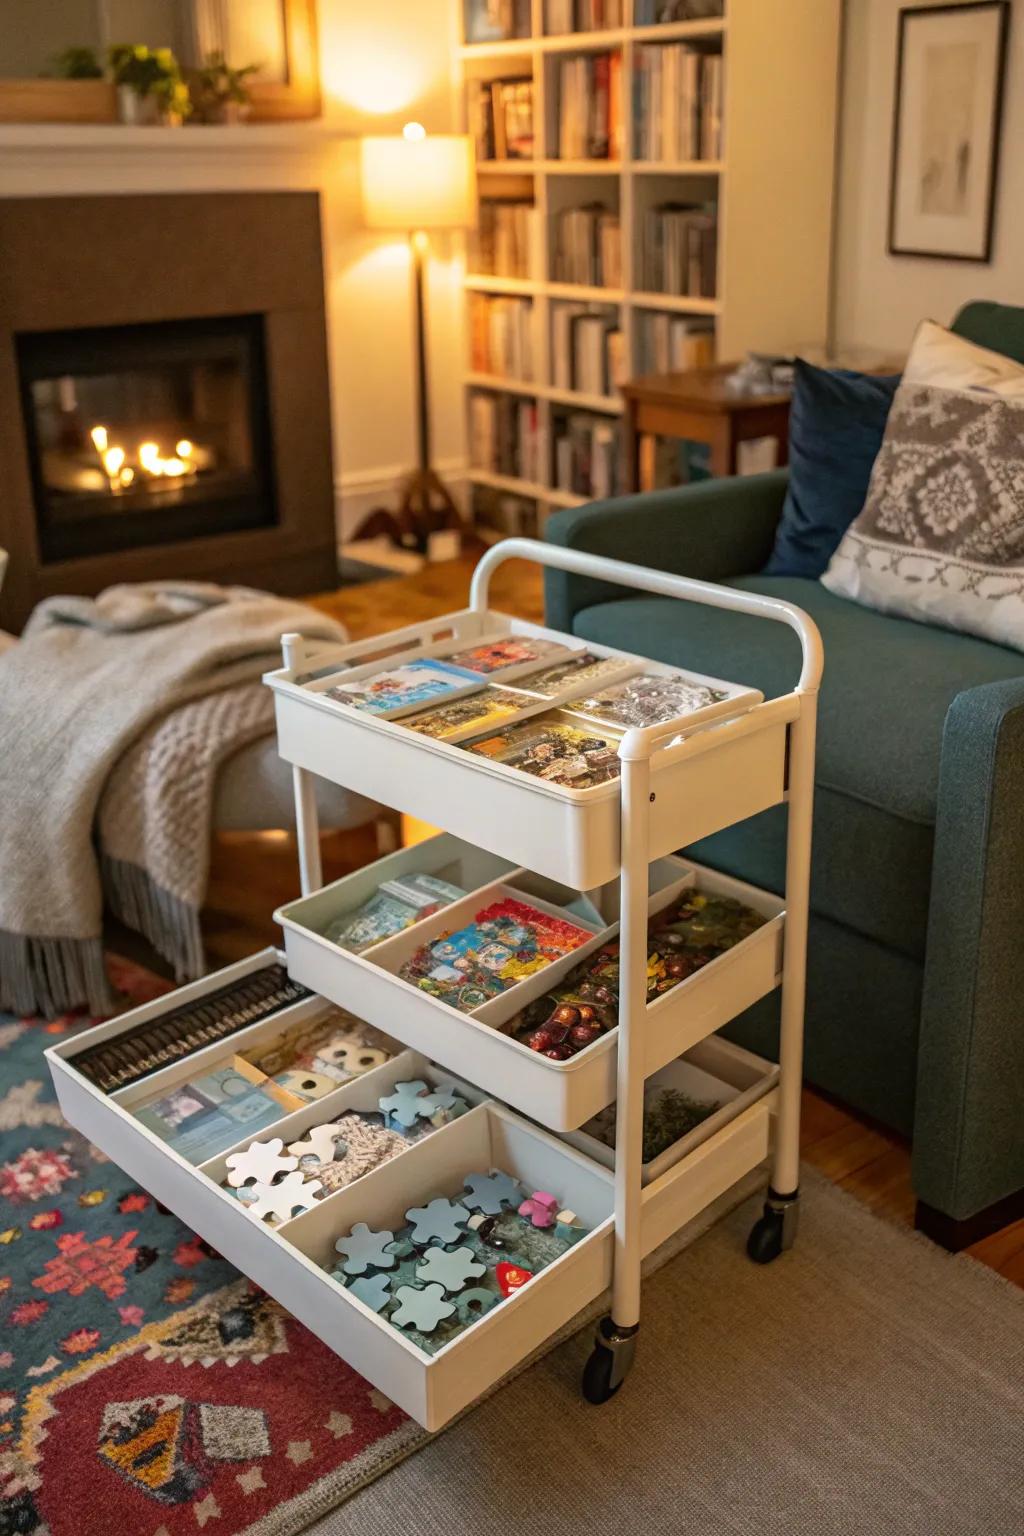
pixel 260 1163
pixel 422 1310
pixel 364 1249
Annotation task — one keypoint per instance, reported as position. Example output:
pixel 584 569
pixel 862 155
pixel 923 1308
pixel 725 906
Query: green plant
pixel 150 72
pixel 77 64
pixel 218 82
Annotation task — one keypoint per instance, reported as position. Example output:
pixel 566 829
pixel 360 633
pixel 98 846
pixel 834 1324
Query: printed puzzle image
pixel 648 699
pixel 549 748
pixel 315 1056
pixel 509 651
pixel 202 1117
pixel 395 905
pixel 409 686
pixel 693 930
pixel 479 712
pixel 505 942
pixel 582 667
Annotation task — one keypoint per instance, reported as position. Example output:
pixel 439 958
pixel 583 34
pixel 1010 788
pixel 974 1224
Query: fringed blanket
pixel 118 711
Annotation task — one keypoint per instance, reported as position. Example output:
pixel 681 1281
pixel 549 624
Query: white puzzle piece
pixel 319 1142
pixel 282 1200
pixel 261 1161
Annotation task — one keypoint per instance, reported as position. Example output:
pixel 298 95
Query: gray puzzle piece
pixel 374 1291
pixel 422 1310
pixel 365 1250
pixel 489 1192
pixel 452 1270
pixel 406 1105
pixel 442 1220
pixel 474 1303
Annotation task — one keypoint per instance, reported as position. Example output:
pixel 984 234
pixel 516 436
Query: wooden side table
pixel 697 405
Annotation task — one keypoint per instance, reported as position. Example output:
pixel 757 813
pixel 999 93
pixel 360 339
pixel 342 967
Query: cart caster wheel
pixel 775 1229
pixel 610 1361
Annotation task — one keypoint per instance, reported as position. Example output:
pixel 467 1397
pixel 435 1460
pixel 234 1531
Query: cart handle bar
pixel 664 584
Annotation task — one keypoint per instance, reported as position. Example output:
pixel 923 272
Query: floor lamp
pixel 416 183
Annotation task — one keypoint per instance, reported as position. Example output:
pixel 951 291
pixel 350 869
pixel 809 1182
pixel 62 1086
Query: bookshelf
pixel 763 169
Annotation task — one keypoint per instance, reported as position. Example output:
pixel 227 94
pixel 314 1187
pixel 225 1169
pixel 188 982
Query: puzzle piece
pixel 261 1161
pixel 320 1142
pixel 373 1291
pixel 306 1085
pixel 541 1208
pixel 489 1192
pixel 344 1057
pixel 406 1105
pixel 364 1249
pixel 281 1200
pixel 441 1220
pixel 422 1310
pixel 450 1269
pixel 474 1303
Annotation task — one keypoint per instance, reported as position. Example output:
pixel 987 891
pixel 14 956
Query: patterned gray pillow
pixel 941 535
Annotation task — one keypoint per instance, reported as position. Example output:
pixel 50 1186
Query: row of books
pixel 503 515
pixel 501 118
pixel 678 103
pixel 649 13
pixel 588 349
pixel 582 15
pixel 679 250
pixel 588 455
pixel 674 343
pixel 588 247
pixel 508 239
pixel 501 336
pixel 492 21
pixel 590 107
pixel 504 436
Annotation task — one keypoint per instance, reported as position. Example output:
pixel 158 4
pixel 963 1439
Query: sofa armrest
pixel 712 530
pixel 969 1131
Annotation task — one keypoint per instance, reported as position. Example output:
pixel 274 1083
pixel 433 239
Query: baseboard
pixel 359 492
pixel 956 1235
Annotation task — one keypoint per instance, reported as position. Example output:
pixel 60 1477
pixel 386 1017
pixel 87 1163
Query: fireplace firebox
pixel 164 405
pixel 146 434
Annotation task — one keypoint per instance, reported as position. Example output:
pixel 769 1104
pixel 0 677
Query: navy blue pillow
pixel 836 424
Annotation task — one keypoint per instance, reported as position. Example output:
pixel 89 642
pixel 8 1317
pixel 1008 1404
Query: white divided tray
pixel 715 1070
pixel 568 834
pixel 561 1095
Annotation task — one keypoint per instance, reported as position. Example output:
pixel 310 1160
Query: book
pixel 548 747
pixel 403 688
pixel 588 247
pixel 504 435
pixel 675 343
pixel 649 699
pixel 581 669
pixel 508 651
pixel 679 250
pixel 501 118
pixel 465 717
pixel 212 1111
pixel 494 21
pixel 395 904
pixel 508 238
pixel 588 454
pixel 506 942
pixel 501 336
pixel 589 106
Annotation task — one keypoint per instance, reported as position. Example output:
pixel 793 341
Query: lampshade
pixel 421 181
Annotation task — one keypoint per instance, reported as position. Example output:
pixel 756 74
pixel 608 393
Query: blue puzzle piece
pixel 406 1105
pixel 441 1220
pixel 365 1250
pixel 489 1192
pixel 450 1269
pixel 373 1290
pixel 474 1303
pixel 422 1310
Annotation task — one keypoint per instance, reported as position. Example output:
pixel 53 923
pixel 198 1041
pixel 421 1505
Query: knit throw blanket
pixel 115 714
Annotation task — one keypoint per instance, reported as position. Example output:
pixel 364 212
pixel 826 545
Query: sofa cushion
pixel 836 425
pixel 887 686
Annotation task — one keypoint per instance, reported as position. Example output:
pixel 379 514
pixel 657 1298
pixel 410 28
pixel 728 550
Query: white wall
pixel 880 298
pixel 382 64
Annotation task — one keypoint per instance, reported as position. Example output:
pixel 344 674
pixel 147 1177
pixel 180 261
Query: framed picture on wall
pixel 946 127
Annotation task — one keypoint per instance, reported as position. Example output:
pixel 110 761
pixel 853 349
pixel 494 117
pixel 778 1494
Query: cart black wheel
pixel 765 1241
pixel 597 1377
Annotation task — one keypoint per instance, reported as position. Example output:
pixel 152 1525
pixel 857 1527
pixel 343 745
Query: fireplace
pixel 146 434
pixel 163 415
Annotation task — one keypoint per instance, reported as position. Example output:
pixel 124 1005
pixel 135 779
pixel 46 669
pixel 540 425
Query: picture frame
pixel 947 119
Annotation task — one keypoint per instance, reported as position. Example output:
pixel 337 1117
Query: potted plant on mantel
pixel 220 93
pixel 150 88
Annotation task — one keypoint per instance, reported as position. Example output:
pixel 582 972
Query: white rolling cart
pixel 679 781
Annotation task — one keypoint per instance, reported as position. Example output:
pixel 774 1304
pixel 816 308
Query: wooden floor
pixel 250 876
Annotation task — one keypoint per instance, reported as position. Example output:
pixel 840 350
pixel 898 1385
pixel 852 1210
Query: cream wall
pixel 382 65
pixel 880 298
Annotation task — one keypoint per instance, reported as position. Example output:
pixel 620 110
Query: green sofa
pixel 916 966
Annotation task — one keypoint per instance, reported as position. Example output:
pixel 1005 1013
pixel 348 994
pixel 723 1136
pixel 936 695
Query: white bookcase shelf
pixel 772 188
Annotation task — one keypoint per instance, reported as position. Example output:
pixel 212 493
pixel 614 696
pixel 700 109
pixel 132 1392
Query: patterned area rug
pixel 145 1386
